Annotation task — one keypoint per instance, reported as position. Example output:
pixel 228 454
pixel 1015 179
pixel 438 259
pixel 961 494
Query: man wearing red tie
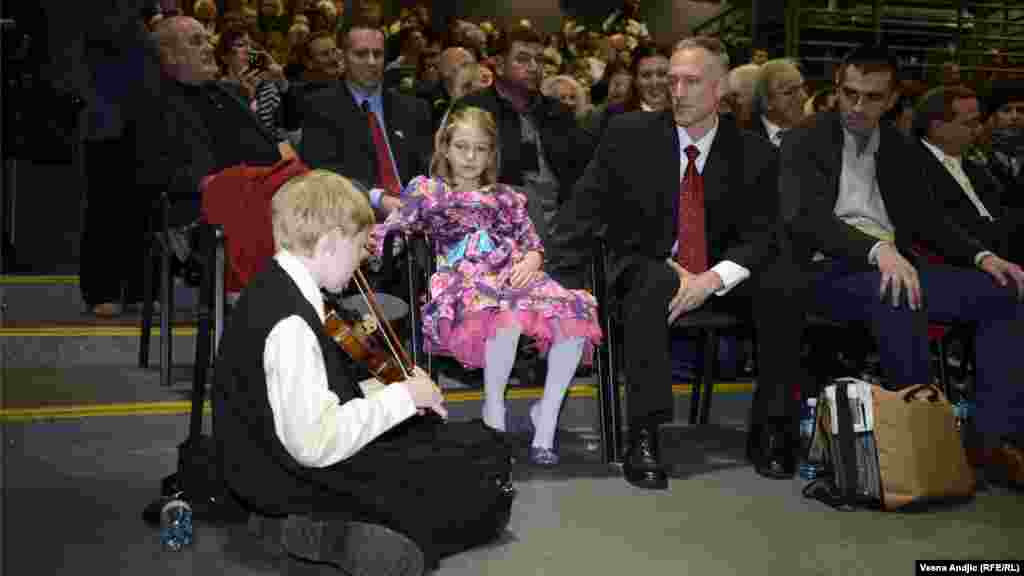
pixel 691 209
pixel 397 128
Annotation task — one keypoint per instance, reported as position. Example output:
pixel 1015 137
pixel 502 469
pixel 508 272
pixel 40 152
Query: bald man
pixel 201 126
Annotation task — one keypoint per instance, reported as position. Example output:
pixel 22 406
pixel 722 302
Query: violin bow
pixel 389 333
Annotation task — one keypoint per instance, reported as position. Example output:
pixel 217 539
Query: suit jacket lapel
pixel 984 185
pixel 668 161
pixel 717 172
pixel 835 155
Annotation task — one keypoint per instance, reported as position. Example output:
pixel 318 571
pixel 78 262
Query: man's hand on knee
pixel 898 276
pixel 693 292
pixel 1004 272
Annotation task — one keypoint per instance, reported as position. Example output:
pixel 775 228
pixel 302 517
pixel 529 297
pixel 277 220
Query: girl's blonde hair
pixel 472 116
pixel 310 206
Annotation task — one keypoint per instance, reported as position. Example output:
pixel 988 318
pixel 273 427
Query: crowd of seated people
pixel 599 127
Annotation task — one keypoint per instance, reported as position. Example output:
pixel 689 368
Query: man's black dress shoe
pixel 772 448
pixel 642 467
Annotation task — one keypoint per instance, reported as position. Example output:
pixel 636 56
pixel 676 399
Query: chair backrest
pixel 238 198
pixel 535 208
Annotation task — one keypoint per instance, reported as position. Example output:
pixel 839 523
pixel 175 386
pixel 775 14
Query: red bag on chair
pixel 238 198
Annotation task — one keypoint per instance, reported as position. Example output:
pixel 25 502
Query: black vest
pixel 256 465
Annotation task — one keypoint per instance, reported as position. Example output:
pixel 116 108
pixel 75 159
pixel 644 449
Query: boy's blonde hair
pixel 468 115
pixel 310 206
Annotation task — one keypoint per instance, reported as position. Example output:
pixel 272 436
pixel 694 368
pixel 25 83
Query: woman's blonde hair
pixel 310 206
pixel 466 115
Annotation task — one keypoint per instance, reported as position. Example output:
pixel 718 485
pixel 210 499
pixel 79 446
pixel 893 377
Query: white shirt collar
pixel 773 130
pixel 939 154
pixel 703 144
pixel 303 278
pixel 850 141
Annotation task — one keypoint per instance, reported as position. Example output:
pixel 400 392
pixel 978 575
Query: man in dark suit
pixel 657 182
pixel 541 145
pixel 199 127
pixel 779 97
pixel 946 124
pixel 376 137
pixel 855 199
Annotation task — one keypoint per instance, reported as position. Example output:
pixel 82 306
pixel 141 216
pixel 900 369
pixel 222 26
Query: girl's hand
pixel 526 270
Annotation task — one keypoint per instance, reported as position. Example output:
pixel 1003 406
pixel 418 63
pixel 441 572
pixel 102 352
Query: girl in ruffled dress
pixel 489 288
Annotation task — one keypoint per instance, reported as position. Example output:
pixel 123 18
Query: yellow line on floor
pixel 14 279
pixel 184 407
pixel 84 331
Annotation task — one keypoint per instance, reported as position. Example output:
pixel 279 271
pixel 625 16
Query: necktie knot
pixel 692 152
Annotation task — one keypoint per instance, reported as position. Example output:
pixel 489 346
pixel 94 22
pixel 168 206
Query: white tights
pixel 500 354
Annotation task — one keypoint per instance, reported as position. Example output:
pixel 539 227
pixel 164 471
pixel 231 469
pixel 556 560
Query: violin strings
pixel 380 322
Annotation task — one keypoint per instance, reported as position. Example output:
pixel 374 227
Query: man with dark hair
pixel 856 199
pixel 690 205
pixel 1005 104
pixel 542 146
pixel 357 128
pixel 946 123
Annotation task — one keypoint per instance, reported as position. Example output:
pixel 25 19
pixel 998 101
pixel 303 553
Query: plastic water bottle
pixel 808 419
pixel 963 411
pixel 176 525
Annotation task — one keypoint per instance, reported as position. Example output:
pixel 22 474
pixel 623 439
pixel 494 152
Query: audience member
pixel 568 91
pixel 206 126
pixel 779 96
pixel 681 183
pixel 374 136
pixel 542 147
pixel 650 86
pixel 1006 158
pixel 439 94
pixel 823 100
pixel 946 123
pixel 856 200
pixel 738 101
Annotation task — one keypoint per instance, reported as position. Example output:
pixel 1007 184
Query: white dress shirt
pixel 774 131
pixel 860 203
pixel 730 272
pixel 314 427
pixel 954 165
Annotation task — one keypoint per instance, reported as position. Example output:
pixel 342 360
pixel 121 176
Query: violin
pixel 371 341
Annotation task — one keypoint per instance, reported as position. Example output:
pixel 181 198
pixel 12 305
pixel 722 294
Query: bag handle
pixel 934 393
pixel 847 447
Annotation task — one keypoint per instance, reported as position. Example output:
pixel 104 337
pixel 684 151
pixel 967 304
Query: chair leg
pixel 708 373
pixel 947 386
pixel 218 285
pixel 695 388
pixel 206 296
pixel 148 296
pixel 610 408
pixel 166 310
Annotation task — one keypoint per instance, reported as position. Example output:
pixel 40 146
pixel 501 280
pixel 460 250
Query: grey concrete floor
pixel 73 492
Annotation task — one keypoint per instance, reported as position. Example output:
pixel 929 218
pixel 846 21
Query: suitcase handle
pixel 934 393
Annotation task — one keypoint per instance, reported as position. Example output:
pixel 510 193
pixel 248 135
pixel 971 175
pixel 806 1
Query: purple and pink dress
pixel 478 236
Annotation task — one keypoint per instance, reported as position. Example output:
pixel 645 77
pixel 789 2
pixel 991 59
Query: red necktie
pixel 692 247
pixel 387 176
